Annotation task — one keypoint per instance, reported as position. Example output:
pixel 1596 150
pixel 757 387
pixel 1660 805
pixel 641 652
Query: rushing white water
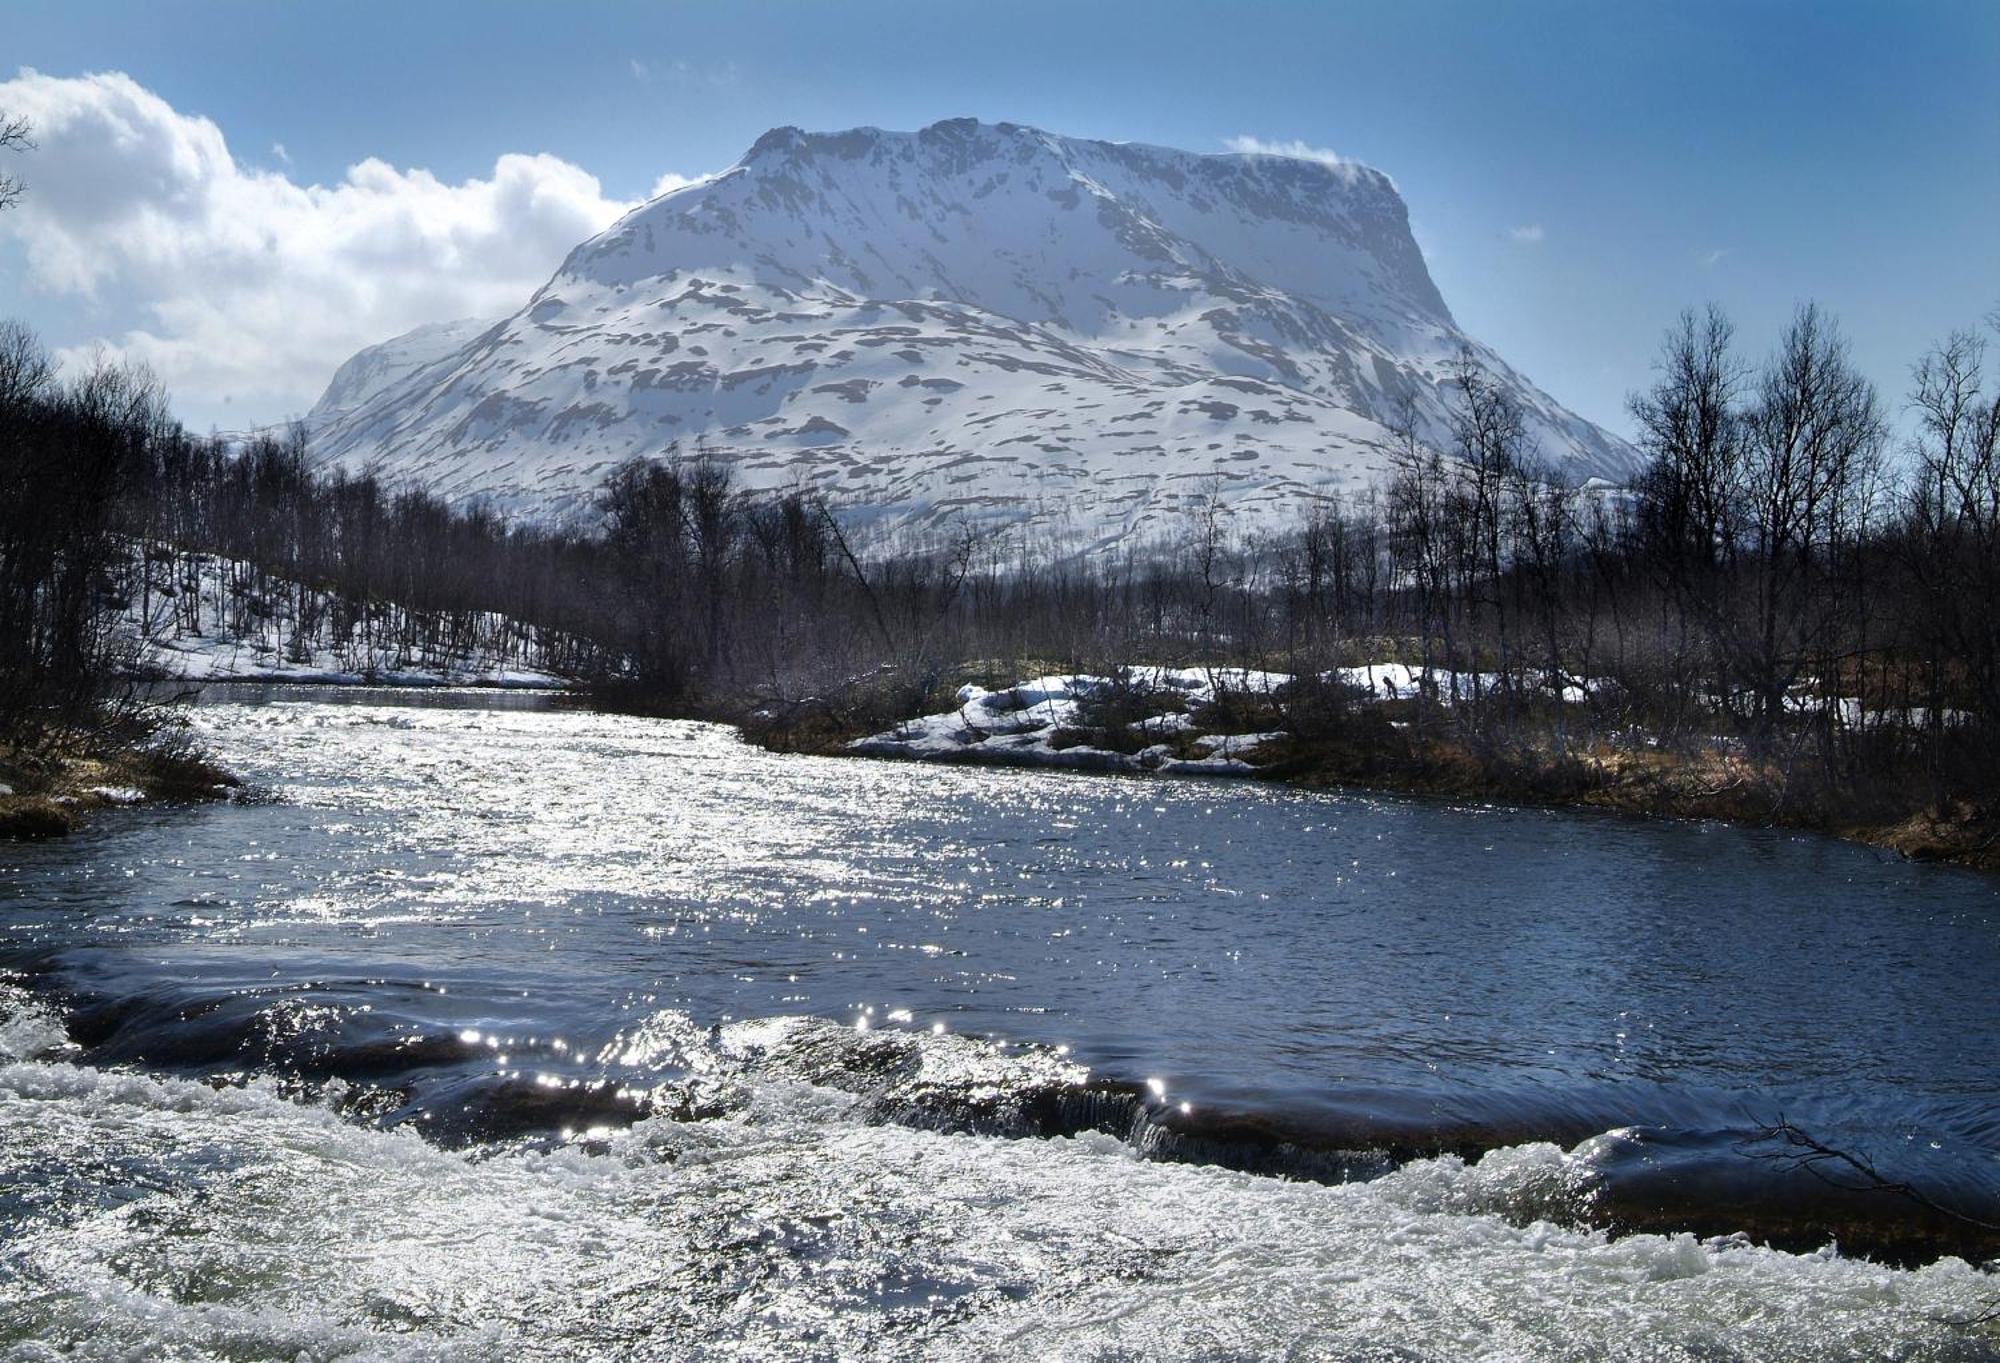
pixel 168 1220
pixel 202 1179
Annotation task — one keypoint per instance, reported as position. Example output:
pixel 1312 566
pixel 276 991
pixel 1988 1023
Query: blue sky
pixel 1576 172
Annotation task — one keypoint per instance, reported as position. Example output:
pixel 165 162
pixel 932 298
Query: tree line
pixel 1780 579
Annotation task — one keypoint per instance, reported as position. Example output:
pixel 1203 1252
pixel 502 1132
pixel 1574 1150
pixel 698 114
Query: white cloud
pixel 640 71
pixel 238 285
pixel 670 182
pixel 1710 259
pixel 278 150
pixel 1257 146
pixel 1297 150
pixel 1528 234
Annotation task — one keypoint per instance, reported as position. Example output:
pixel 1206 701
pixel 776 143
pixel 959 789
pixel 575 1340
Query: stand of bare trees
pixel 1766 588
pixel 70 454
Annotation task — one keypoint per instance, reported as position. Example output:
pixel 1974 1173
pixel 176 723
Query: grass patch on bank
pixel 51 779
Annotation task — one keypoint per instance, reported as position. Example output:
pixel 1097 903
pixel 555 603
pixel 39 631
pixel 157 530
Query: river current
pixel 486 1028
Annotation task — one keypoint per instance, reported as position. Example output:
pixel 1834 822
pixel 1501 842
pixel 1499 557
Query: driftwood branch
pixel 1843 1169
pixel 1799 1149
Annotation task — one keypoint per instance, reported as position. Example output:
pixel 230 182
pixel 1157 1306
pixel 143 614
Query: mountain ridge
pixel 971 320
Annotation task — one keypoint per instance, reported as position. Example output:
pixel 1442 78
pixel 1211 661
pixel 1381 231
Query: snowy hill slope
pixel 971 320
pixel 203 618
pixel 378 367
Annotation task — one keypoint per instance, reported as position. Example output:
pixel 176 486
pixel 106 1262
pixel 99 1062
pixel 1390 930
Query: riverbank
pixel 1214 723
pixel 52 780
pixel 1703 785
pixel 1372 727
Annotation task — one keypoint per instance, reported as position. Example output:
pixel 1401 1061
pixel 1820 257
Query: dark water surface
pixel 518 929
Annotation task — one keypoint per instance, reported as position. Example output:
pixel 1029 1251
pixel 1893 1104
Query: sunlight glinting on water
pixel 547 1034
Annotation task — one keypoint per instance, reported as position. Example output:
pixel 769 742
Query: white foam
pixel 28 1031
pixel 176 1221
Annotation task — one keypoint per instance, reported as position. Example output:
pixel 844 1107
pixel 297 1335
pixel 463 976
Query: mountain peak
pixel 959 136
pixel 972 319
pixel 776 142
pixel 1334 233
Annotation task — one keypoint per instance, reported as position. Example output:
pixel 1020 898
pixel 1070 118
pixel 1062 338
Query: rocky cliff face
pixel 974 320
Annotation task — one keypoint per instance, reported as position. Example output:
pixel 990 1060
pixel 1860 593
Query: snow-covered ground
pixel 1040 722
pixel 202 618
pixel 1036 722
pixel 1031 722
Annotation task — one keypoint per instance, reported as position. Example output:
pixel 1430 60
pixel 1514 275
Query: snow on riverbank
pixel 1039 722
pixel 1047 721
pixel 200 618
pixel 1183 716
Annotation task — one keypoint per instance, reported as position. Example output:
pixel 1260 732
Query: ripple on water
pixel 501 926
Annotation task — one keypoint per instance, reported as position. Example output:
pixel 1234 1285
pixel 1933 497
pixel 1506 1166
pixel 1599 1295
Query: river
pixel 488 1028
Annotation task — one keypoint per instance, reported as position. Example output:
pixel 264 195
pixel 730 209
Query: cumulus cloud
pixel 1528 234
pixel 237 284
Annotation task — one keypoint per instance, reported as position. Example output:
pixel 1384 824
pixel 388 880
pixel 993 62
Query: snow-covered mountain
pixel 971 320
pixel 380 367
